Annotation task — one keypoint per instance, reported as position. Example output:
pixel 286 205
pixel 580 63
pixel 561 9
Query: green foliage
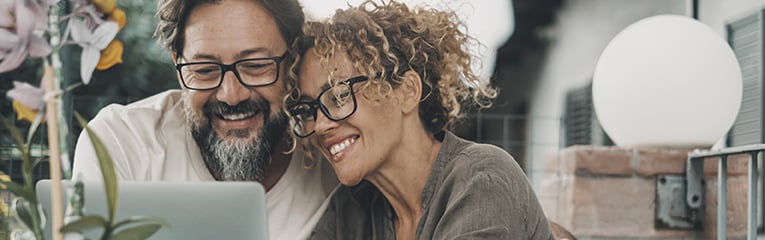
pixel 84 223
pixel 138 227
pixel 26 207
pixel 107 168
pixel 29 211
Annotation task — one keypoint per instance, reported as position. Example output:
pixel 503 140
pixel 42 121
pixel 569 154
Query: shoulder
pixel 153 107
pixel 483 191
pixel 477 161
pixel 482 170
pixel 150 113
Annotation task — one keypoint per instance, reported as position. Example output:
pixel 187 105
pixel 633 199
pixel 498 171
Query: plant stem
pixel 52 82
pixel 107 231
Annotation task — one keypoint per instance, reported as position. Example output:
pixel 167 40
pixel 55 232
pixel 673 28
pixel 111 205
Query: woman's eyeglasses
pixel 337 103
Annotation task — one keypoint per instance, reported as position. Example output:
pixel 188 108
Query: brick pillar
pixel 610 192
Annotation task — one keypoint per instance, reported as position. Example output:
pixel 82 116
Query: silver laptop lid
pixel 195 210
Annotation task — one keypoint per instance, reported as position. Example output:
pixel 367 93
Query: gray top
pixel 475 191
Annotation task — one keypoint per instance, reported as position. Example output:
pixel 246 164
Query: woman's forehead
pixel 333 68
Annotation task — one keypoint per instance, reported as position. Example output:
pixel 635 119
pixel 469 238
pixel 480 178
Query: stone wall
pixel 610 192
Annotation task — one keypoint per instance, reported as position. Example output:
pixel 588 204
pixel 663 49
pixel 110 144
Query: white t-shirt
pixel 149 141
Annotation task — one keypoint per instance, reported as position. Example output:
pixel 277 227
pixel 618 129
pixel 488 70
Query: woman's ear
pixel 411 90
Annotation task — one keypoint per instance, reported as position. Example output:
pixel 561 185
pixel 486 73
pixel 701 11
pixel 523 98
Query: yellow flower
pixel 105 6
pixel 4 177
pixel 118 16
pixel 4 208
pixel 24 113
pixel 111 55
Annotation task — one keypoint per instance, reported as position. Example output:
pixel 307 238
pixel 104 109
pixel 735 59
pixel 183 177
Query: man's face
pixel 235 126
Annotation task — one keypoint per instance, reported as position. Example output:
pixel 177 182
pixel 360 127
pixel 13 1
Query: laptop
pixel 194 210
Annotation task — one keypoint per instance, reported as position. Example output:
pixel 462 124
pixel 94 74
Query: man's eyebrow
pixel 202 56
pixel 248 52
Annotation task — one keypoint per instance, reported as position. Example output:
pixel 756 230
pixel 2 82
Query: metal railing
pixel 695 187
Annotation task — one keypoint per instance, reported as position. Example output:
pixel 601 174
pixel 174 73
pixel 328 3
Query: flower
pixel 92 43
pixel 27 94
pixel 111 55
pixel 24 113
pixel 27 101
pixel 24 32
pixel 118 16
pixel 4 178
pixel 105 6
pixel 19 21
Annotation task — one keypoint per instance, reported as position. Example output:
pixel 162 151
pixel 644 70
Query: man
pixel 225 124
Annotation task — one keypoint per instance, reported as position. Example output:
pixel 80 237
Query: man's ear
pixel 177 74
pixel 411 90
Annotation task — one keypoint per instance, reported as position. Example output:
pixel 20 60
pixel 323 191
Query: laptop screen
pixel 194 210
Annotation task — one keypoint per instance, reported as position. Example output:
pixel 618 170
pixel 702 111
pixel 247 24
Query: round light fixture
pixel 667 81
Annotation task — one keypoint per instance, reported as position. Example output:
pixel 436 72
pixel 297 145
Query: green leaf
pixel 142 219
pixel 26 162
pixel 21 208
pixel 84 223
pixel 18 189
pixel 16 136
pixel 35 125
pixel 137 233
pixel 107 168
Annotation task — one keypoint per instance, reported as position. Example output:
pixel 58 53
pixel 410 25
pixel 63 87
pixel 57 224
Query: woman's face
pixel 358 145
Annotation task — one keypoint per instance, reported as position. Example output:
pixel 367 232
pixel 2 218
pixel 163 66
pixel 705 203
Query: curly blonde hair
pixel 387 39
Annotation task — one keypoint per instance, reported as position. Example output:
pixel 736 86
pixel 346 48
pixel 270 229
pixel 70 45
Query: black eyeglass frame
pixel 316 102
pixel 231 67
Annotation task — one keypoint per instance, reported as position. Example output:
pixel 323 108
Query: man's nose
pixel 231 90
pixel 323 123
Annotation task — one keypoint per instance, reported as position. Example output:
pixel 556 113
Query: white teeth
pixel 334 149
pixel 239 116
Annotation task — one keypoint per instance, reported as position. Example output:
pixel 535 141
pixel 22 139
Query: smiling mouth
pixel 339 147
pixel 237 116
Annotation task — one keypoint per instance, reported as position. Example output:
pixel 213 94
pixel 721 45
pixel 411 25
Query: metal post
pixel 722 197
pixel 694 175
pixel 751 222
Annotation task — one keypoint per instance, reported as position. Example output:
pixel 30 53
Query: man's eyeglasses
pixel 251 72
pixel 337 103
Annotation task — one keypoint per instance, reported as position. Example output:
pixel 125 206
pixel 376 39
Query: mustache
pixel 214 107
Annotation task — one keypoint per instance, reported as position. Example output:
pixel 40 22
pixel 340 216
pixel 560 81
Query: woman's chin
pixel 349 181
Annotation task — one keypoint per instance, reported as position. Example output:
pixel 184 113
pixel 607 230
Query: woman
pixel 375 95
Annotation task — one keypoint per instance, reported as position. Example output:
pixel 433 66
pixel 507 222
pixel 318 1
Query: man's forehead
pixel 230 27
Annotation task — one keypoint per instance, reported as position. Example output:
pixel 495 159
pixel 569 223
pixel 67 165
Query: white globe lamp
pixel 667 81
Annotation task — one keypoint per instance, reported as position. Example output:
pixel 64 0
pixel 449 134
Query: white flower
pixel 92 43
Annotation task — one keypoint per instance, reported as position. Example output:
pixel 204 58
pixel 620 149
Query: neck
pixel 402 178
pixel 279 164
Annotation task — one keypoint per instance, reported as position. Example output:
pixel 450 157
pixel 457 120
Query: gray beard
pixel 236 158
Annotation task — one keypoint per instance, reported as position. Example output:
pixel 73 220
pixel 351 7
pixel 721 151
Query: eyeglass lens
pixel 252 72
pixel 336 103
